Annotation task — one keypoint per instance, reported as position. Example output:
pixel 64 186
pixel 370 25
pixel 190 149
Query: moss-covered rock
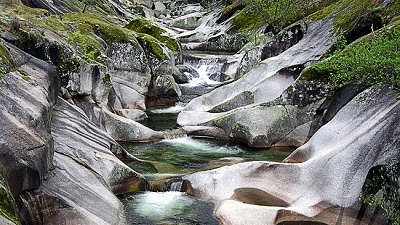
pixel 93 23
pixel 8 208
pixel 5 60
pixel 147 27
pixel 152 46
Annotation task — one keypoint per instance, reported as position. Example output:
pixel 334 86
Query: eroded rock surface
pixel 329 170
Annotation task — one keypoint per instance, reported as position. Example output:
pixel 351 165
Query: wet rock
pixel 360 136
pixel 263 126
pixel 147 3
pixel 284 40
pixel 295 138
pixel 132 114
pixel 90 80
pixel 230 69
pixel 188 22
pixel 180 77
pixel 123 129
pixel 264 84
pixel 164 91
pixel 187 69
pixel 9 213
pixel 256 196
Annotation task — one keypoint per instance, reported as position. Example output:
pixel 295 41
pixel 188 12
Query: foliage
pixel 338 46
pixel 382 188
pixel 278 13
pixel 371 60
pixel 254 39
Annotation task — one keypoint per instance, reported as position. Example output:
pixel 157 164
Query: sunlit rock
pixel 329 170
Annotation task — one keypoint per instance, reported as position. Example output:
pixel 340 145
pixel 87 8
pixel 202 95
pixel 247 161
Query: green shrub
pixel 277 13
pixel 371 60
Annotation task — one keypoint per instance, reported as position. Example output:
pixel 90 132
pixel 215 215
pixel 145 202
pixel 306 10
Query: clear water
pixel 182 155
pixel 177 157
pixel 167 208
pixel 185 155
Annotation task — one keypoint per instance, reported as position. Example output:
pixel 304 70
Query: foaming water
pixel 201 145
pixel 157 206
pixel 208 72
pixel 173 109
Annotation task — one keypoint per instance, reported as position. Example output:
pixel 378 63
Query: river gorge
pixel 199 112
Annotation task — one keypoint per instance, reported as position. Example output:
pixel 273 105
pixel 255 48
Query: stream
pixel 180 155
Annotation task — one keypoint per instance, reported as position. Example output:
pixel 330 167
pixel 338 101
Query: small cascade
pixel 174 135
pixel 176 186
pixel 208 68
pixel 171 110
pixel 204 76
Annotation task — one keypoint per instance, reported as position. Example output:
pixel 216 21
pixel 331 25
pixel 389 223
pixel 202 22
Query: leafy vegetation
pixel 381 188
pixel 371 60
pixel 277 13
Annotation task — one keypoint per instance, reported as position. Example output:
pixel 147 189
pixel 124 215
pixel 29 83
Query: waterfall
pixel 208 70
pixel 176 186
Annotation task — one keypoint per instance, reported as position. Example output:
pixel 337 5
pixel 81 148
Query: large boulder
pixel 123 129
pixel 89 80
pixel 329 170
pixel 129 74
pixel 187 22
pixel 84 164
pixel 267 91
pixel 258 80
pixel 26 99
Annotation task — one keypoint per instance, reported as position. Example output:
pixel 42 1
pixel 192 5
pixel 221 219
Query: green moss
pixel 8 207
pixel 4 55
pixel 153 45
pixel 245 21
pixel 147 27
pixel 104 29
pixel 52 23
pixel 230 10
pixel 392 11
pixel 5 62
pixel 23 10
pixel 24 75
pixel 90 48
pixel 106 79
